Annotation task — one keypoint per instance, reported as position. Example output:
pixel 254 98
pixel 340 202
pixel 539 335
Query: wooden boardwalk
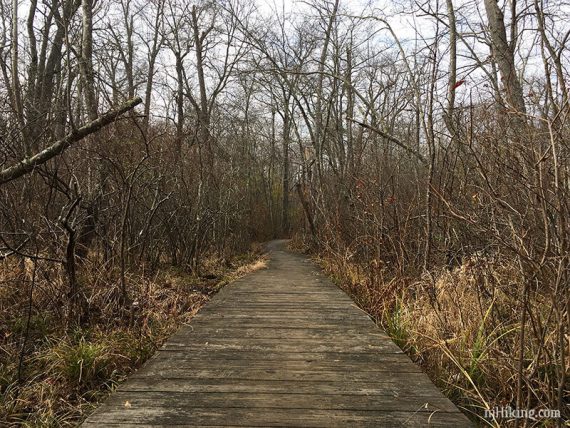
pixel 280 347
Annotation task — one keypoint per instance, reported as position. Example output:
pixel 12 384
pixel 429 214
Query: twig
pixel 392 139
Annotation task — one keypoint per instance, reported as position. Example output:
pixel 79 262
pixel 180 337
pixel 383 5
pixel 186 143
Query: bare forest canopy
pixel 420 147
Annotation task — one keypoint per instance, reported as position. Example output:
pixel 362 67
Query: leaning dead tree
pixel 28 164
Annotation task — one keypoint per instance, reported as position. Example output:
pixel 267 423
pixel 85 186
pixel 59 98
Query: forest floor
pixel 51 375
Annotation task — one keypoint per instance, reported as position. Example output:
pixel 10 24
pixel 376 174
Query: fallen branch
pixel 392 139
pixel 27 165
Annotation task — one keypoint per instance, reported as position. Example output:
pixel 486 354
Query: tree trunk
pixel 504 56
pixel 86 61
pixel 449 114
pixel 286 143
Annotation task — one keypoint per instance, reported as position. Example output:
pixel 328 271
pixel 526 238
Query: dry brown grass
pixel 250 268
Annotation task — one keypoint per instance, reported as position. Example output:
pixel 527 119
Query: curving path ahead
pixel 280 347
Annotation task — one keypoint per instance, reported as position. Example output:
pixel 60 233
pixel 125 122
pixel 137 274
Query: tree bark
pixel 319 128
pixel 86 61
pixel 204 110
pixel 157 41
pixel 16 87
pixel 504 56
pixel 452 67
pixel 286 142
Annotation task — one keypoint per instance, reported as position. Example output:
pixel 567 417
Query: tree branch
pixel 392 139
pixel 27 165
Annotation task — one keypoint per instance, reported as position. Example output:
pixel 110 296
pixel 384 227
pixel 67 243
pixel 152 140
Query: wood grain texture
pixel 280 347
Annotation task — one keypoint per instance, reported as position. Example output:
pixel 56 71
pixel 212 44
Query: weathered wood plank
pixel 264 374
pixel 281 401
pixel 281 347
pixel 282 331
pixel 191 354
pixel 270 417
pixel 388 387
pixel 390 365
pixel 273 334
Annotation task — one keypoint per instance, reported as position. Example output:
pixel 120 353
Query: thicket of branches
pixel 169 182
pixel 428 167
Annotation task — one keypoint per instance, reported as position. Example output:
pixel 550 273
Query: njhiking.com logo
pixel 508 412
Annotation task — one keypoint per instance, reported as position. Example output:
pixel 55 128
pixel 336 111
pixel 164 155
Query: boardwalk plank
pixel 270 417
pixel 282 374
pixel 193 354
pixel 281 401
pixel 389 387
